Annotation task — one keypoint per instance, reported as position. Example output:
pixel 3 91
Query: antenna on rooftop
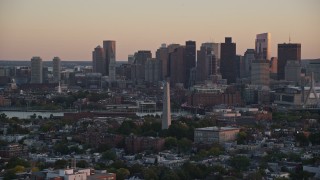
pixel 289 38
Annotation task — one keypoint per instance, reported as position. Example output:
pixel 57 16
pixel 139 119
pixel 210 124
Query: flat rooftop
pixel 215 128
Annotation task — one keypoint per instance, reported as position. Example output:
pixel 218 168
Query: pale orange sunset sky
pixel 71 29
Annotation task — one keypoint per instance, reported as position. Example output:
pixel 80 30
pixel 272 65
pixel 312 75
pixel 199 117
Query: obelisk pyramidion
pixel 166 114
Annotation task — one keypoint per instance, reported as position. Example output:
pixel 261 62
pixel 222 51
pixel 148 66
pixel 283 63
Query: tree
pixel 3 116
pixel 61 148
pixel 241 137
pixel 60 164
pixel 122 173
pixel 255 176
pixel 314 138
pixel 15 161
pixel 302 139
pixel 136 168
pixel 127 127
pixel 240 163
pixel 109 155
pixel 118 164
pixel 170 142
pixel 82 164
pixel 170 175
pixel 150 173
pixel 33 116
pixel 10 174
pixel 184 144
pixel 19 169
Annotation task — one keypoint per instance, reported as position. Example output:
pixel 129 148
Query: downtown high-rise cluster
pixel 186 66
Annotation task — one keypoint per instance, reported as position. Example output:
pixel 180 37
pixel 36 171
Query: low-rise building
pixel 13 150
pixel 135 144
pixel 209 135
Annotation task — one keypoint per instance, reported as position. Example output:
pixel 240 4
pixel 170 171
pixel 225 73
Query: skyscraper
pixel 140 59
pixel 206 62
pixel 287 52
pixel 99 61
pixel 110 58
pixel 56 69
pixel 273 65
pixel 36 70
pixel 293 72
pixel 263 46
pixel 228 57
pixel 166 113
pixel 177 65
pixel 152 70
pixel 190 59
pixel 249 57
pixel 260 73
pixel 163 56
pixel 130 59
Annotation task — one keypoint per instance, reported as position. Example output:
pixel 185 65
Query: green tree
pixel 9 175
pixel 301 139
pixel 241 137
pixel 171 142
pixel 60 164
pixel 15 161
pixel 170 175
pixel 136 168
pixel 118 164
pixel 128 127
pixel 150 173
pixel 19 169
pixel 61 148
pixel 184 145
pixel 109 155
pixel 122 173
pixel 82 164
pixel 3 117
pixel 240 163
pixel 314 138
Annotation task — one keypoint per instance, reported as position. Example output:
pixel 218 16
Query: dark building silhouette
pixel 206 62
pixel 287 52
pixel 140 59
pixel 228 63
pixel 177 67
pixel 190 60
pixel 163 56
pixel 99 61
pixel 110 56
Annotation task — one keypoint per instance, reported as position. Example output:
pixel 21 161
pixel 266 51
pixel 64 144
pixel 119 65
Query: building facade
pixel 287 52
pixel 293 72
pixel 36 70
pixel 228 56
pixel 260 74
pixel 190 60
pixel 56 69
pixel 177 67
pixel 110 58
pixel 263 46
pixel 209 135
pixel 163 57
pixel 99 61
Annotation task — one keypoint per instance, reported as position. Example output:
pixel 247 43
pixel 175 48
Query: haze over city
pixel 71 29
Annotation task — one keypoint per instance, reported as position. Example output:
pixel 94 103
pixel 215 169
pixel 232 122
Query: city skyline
pixel 59 28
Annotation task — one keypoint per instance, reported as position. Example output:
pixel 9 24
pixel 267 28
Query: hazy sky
pixel 71 29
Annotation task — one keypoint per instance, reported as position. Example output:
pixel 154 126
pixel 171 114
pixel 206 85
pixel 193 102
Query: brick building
pixel 13 150
pixel 135 144
pixel 212 99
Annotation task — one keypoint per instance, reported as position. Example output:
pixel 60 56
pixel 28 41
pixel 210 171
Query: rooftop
pixel 215 128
